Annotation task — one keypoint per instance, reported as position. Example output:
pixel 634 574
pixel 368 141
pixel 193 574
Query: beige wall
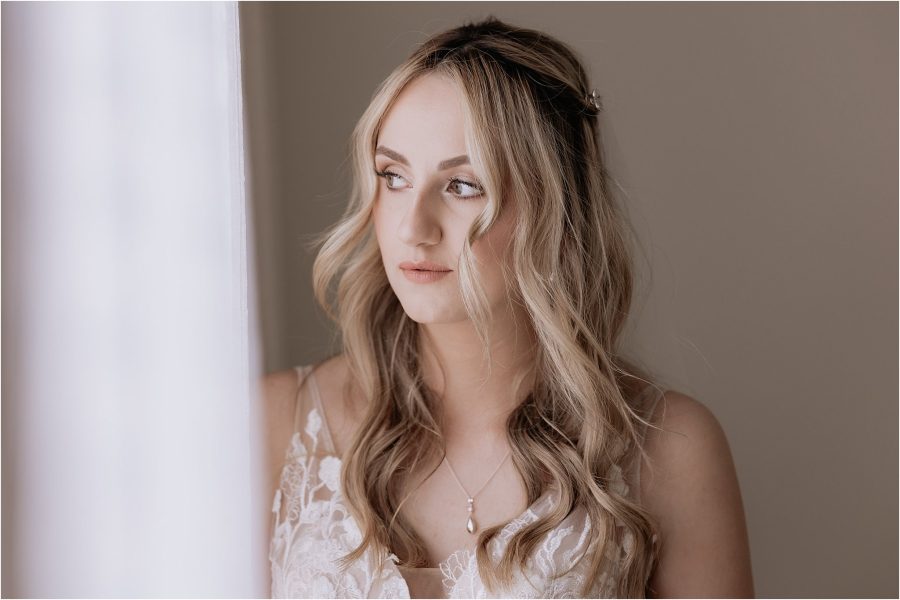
pixel 757 144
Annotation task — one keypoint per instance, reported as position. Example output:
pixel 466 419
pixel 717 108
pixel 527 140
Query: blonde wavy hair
pixel 532 136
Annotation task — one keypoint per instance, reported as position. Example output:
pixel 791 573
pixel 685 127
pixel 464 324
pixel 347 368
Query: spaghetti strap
pixel 300 411
pixel 302 406
pixel 317 399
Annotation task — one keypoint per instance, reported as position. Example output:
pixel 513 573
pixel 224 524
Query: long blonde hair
pixel 533 136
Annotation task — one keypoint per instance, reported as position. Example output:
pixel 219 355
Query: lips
pixel 423 265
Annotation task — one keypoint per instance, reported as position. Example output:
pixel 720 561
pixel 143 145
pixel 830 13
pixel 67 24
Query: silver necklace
pixel 471 526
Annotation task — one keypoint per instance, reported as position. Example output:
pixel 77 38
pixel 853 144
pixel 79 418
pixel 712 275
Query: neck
pixel 475 400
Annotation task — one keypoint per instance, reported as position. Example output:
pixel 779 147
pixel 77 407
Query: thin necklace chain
pixel 472 496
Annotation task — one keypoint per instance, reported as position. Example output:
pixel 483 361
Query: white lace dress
pixel 313 528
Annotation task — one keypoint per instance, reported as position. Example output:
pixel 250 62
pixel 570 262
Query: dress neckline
pixel 456 572
pixel 519 519
pixel 332 452
pixel 462 557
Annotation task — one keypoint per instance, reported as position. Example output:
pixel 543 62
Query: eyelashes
pixel 388 176
pixel 454 185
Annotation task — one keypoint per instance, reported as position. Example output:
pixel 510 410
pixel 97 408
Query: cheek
pixel 497 241
pixel 380 222
pixel 494 248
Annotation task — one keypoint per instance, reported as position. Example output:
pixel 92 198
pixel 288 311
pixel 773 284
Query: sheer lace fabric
pixel 313 528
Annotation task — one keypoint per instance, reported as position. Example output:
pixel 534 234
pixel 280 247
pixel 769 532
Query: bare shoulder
pixel 278 389
pixel 681 423
pixel 278 395
pixel 686 447
pixel 281 392
pixel 331 374
pixel 691 488
pixel 341 403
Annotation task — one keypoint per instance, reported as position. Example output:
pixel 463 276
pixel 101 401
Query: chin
pixel 422 311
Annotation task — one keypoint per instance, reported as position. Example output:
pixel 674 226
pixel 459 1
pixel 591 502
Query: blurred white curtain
pixel 129 344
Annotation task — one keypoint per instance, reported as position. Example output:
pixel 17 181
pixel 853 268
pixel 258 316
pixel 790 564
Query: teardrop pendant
pixel 471 527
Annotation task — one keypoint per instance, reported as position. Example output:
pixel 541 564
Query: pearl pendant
pixel 471 527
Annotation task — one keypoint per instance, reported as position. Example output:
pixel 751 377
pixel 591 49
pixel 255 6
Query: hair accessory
pixel 471 526
pixel 594 100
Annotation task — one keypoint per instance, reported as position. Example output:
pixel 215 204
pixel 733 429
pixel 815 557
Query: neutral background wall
pixel 756 147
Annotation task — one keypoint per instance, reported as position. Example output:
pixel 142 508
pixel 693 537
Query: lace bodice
pixel 312 529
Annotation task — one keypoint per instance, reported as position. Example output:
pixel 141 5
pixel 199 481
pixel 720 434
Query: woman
pixel 479 435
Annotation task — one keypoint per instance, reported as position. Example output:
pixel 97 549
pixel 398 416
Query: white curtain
pixel 129 345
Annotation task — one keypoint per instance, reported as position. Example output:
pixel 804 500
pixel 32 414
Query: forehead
pixel 426 120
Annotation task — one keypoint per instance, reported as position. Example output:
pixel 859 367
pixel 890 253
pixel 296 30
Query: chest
pixel 437 508
pixel 313 529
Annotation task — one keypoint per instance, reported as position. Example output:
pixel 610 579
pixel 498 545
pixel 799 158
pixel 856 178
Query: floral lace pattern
pixel 313 528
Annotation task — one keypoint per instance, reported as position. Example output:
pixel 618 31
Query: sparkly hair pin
pixel 593 99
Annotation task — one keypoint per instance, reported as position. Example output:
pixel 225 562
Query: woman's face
pixel 428 196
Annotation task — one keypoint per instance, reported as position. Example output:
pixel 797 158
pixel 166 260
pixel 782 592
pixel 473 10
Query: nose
pixel 420 225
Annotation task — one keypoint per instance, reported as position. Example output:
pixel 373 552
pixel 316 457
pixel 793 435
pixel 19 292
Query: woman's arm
pixel 692 490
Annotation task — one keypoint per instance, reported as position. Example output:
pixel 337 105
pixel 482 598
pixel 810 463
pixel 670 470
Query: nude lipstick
pixel 424 271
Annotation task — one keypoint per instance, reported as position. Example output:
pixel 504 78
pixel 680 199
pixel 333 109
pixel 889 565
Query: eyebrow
pixel 444 164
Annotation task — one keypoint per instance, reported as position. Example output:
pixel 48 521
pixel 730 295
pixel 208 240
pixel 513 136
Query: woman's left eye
pixel 464 189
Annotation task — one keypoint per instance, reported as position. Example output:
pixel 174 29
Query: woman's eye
pixel 464 189
pixel 394 181
pixel 458 187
